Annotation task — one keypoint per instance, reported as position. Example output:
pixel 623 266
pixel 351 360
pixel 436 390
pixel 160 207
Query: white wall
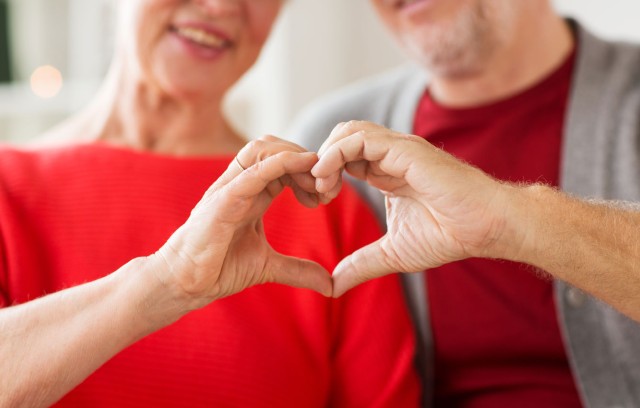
pixel 317 46
pixel 72 36
pixel 615 19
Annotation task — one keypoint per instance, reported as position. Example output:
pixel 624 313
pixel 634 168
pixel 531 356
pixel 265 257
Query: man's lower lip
pixel 198 50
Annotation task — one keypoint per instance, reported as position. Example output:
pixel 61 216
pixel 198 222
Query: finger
pixel 329 183
pixel 372 174
pixel 395 154
pixel 254 152
pixel 304 181
pixel 243 193
pixel 355 147
pixel 303 184
pixel 327 197
pixel 256 187
pixel 345 129
pixel 256 178
pixel 307 198
pixel 233 170
pixel 367 263
pixel 266 146
pixel 358 169
pixel 299 273
pixel 336 134
pixel 329 187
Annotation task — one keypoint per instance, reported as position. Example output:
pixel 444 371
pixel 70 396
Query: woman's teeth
pixel 201 37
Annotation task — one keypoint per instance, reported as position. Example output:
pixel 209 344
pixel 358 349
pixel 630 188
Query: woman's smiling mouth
pixel 201 37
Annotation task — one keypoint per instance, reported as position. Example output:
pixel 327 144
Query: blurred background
pixel 53 54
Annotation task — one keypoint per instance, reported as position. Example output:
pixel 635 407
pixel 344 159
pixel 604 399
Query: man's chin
pixel 453 48
pixel 444 58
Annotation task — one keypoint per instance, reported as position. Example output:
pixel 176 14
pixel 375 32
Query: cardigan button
pixel 575 297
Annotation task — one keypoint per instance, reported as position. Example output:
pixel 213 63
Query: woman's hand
pixel 439 209
pixel 222 248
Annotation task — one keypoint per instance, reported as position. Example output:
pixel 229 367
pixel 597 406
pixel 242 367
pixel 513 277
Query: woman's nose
pixel 220 7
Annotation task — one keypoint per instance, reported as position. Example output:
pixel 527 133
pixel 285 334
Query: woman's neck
pixel 130 112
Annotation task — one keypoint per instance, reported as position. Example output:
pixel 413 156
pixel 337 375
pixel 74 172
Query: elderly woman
pixel 112 185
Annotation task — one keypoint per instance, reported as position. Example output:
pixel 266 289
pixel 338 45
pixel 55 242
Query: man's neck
pixel 538 47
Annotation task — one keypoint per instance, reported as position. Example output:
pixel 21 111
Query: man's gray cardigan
pixel 601 159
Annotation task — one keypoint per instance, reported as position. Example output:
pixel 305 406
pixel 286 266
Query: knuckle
pixel 286 155
pixel 252 148
pixel 258 144
pixel 413 138
pixel 256 169
pixel 268 138
pixel 361 133
pixel 352 125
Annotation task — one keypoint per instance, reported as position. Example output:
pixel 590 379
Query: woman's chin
pixel 186 83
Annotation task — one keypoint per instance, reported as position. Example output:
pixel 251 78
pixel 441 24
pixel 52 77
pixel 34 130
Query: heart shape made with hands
pixel 260 171
pixel 438 209
pixel 319 180
pixel 310 190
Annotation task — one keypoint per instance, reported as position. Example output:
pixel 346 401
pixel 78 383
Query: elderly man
pixel 512 88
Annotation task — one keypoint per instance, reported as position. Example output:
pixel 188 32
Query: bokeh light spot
pixel 46 81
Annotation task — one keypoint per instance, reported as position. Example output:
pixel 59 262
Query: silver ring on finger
pixel 242 168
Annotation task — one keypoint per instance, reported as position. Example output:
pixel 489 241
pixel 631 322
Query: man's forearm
pixel 594 246
pixel 50 345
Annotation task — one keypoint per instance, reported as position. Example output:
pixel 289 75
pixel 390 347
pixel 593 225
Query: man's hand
pixel 439 209
pixel 222 248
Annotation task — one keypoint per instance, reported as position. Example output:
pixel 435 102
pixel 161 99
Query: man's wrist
pixel 526 220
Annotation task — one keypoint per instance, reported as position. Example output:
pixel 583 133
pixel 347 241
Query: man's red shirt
pixel 497 338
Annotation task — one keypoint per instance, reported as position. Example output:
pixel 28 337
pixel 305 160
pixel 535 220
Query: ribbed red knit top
pixel 72 215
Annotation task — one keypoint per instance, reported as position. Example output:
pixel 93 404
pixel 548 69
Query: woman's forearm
pixel 50 345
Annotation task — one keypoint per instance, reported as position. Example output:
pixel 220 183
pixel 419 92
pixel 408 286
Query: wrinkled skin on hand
pixel 222 248
pixel 439 209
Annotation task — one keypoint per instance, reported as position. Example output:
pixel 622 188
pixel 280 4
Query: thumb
pixel 367 263
pixel 299 273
